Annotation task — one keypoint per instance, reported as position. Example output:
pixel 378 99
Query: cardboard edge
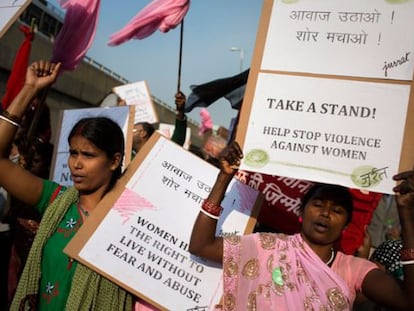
pixel 254 71
pixel 15 17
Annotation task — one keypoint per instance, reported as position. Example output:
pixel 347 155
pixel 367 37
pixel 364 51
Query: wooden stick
pixel 32 25
pixel 180 56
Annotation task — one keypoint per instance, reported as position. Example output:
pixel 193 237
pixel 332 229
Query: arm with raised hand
pixel 17 181
pixel 203 241
pixel 180 129
pixel 405 204
pixel 381 287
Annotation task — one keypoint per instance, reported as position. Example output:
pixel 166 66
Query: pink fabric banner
pixel 77 33
pixel 159 14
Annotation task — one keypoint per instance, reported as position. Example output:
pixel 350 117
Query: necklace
pixel 84 211
pixel 332 257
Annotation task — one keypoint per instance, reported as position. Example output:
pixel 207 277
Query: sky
pixel 211 28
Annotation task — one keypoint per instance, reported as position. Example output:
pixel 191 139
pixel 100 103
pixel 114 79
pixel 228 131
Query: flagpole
pixel 33 24
pixel 234 130
pixel 180 56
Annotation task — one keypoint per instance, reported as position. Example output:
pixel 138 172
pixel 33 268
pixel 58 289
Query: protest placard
pixel 329 95
pixel 346 38
pixel 137 94
pixel 138 235
pixel 10 10
pixel 168 129
pixel 121 115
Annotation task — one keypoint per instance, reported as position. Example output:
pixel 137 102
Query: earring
pixel 300 219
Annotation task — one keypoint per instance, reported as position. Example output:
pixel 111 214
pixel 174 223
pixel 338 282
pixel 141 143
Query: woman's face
pixel 140 135
pixel 323 220
pixel 90 167
pixel 39 166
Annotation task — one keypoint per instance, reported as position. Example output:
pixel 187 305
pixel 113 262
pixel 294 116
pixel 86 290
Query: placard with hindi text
pixel 329 96
pixel 139 235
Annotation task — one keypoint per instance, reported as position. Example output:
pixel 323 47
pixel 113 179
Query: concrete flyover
pixel 84 87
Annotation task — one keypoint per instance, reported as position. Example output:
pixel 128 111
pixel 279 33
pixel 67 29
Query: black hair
pixel 105 134
pixel 36 120
pixel 338 194
pixel 148 128
pixel 44 149
pixel 30 147
pixel 196 150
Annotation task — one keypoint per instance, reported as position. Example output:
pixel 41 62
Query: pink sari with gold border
pixel 268 271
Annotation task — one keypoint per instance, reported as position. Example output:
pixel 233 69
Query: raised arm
pixel 381 287
pixel 180 129
pixel 203 241
pixel 16 180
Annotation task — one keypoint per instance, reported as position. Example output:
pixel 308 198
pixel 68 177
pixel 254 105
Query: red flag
pixel 159 14
pixel 18 72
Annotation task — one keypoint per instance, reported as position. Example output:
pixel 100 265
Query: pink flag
pixel 159 14
pixel 77 33
pixel 206 121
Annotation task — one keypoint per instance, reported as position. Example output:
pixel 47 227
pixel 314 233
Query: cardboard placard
pixel 168 129
pixel 329 96
pixel 139 233
pixel 137 94
pixel 123 116
pixel 10 10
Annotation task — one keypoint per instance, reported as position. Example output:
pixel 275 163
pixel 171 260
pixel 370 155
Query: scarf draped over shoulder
pixel 92 292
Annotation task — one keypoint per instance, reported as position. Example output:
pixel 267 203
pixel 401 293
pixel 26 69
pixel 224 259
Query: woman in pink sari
pixel 266 271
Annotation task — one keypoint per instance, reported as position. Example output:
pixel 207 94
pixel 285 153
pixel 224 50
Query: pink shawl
pixel 278 272
pixel 159 14
pixel 206 121
pixel 77 33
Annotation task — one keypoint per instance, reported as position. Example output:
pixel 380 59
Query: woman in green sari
pixel 51 280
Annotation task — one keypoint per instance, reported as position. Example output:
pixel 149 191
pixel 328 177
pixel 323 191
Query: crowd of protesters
pixel 35 214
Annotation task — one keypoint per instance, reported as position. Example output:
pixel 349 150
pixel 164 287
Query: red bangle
pixel 211 208
pixel 407 254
